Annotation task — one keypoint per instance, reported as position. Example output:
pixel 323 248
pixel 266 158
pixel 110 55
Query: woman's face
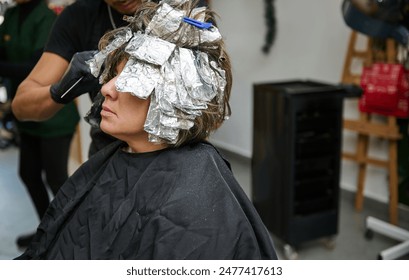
pixel 123 115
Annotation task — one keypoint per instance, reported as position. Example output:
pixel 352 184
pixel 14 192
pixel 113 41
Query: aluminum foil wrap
pixel 166 21
pixel 179 81
pixel 138 78
pixel 208 36
pixel 205 35
pixel 198 13
pixel 188 83
pixel 150 49
pixel 174 2
pixel 96 63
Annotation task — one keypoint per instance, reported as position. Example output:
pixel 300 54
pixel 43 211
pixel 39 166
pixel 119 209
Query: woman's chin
pixel 105 127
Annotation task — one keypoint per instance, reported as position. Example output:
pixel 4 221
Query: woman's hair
pixel 218 108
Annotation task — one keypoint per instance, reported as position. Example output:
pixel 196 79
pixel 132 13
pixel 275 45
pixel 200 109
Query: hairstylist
pixel 74 38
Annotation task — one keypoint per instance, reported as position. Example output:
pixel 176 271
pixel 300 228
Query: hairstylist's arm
pixel 33 100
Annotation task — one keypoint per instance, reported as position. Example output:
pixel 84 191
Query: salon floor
pixel 17 217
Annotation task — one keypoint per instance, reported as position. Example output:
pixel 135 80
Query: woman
pixel 161 191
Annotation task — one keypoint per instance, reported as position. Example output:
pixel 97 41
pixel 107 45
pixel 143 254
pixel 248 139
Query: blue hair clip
pixel 198 24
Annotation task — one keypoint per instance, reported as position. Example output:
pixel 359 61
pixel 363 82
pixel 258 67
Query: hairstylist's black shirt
pixel 78 28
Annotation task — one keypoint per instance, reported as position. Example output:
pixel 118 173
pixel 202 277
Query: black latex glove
pixel 67 89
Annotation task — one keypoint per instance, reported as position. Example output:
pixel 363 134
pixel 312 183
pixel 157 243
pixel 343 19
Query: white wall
pixel 310 43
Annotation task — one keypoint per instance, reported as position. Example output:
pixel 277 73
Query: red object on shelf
pixel 385 90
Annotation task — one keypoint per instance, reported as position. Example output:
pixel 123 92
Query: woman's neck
pixel 144 147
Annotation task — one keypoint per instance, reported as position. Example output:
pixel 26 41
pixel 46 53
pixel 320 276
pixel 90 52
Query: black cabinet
pixel 297 133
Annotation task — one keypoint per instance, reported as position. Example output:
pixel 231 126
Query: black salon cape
pixel 181 203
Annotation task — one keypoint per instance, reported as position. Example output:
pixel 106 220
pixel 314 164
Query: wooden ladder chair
pixel 366 128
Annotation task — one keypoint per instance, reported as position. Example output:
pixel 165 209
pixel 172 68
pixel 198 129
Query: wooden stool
pixel 366 128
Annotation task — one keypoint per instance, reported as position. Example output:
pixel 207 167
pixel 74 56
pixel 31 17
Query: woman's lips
pixel 107 110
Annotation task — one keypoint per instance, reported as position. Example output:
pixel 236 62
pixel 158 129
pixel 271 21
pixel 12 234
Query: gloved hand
pixel 68 88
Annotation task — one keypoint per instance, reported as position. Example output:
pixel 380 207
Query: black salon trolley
pixel 297 133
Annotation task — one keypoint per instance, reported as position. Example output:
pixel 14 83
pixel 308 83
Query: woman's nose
pixel 109 89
